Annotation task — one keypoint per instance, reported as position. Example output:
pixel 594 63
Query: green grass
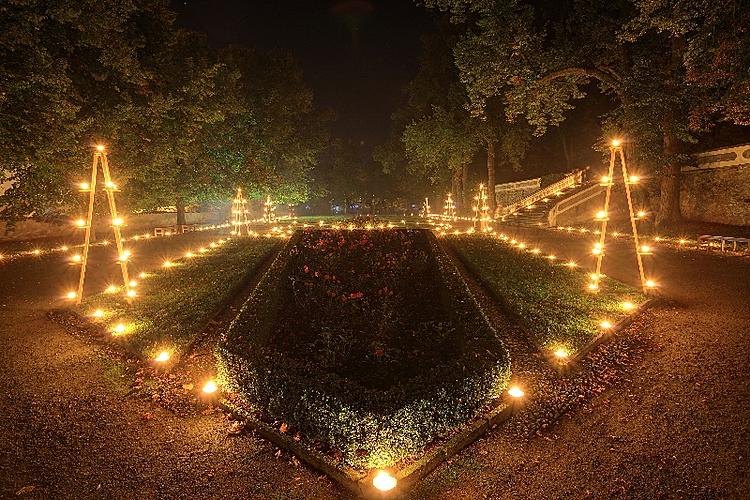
pixel 174 305
pixel 550 299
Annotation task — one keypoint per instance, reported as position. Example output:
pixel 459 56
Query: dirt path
pixel 677 424
pixel 69 429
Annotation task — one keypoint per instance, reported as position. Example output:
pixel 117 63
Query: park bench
pixel 723 243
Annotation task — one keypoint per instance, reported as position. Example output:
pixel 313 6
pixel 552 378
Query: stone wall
pixel 717 195
pixel 30 229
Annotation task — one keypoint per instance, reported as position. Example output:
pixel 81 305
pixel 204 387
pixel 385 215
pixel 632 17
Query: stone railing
pixel 568 181
pixel 719 158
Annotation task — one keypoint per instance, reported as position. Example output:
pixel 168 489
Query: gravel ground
pixel 665 414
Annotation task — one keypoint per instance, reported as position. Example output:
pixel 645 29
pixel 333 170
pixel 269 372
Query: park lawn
pixel 550 299
pixel 175 304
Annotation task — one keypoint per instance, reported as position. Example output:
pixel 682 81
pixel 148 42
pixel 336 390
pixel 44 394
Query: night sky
pixel 357 55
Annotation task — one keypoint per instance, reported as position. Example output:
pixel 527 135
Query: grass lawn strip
pixel 364 422
pixel 174 304
pixel 548 297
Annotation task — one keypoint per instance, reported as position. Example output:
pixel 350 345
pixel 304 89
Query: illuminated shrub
pixel 368 341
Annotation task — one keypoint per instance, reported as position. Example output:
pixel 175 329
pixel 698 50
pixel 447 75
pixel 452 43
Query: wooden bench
pixel 708 241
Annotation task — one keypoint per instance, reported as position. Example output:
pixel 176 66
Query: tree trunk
pixel 456 189
pixel 566 153
pixel 669 200
pixel 180 204
pixel 491 176
pixel 669 196
pixel 465 195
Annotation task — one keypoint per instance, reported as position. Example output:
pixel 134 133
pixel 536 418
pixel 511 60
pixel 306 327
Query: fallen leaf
pixel 26 489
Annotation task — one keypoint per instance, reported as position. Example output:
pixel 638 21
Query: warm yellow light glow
pixel 119 329
pixel 81 223
pixel 131 293
pixel 210 387
pixel 627 305
pixel 682 241
pixel 605 324
pixel 189 254
pixel 64 248
pixel 76 258
pixel 167 264
pixel 100 147
pixel 634 179
pixel 641 214
pixel 645 249
pixel 561 353
pixel 36 251
pixel 143 275
pixel 71 295
pixel 650 284
pixel 593 286
pixel 605 179
pixel 110 289
pixel 383 481
pixel 117 221
pixel 97 314
pixel 162 357
pixel 571 264
pixel 601 214
pixel 516 392
pixel 84 186
pixel 615 142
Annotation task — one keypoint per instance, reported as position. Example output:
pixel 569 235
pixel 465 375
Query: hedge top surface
pixel 382 351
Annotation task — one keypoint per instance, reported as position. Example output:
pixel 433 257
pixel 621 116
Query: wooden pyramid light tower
pixel 603 216
pixel 100 159
pixel 426 208
pixel 269 211
pixel 481 211
pixel 239 214
pixel 449 209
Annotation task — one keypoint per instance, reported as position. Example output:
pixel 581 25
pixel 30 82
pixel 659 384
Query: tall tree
pixel 65 78
pixel 646 52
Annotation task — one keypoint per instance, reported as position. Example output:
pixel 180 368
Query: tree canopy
pixel 184 123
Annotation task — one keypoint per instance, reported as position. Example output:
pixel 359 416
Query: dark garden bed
pixel 367 342
pixel 548 297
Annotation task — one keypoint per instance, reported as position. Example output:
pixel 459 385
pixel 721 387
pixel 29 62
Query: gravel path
pixel 674 422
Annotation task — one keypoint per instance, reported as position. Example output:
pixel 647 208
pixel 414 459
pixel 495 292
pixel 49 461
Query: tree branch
pixel 606 78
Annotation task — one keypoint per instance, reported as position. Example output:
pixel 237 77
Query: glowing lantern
pixel 384 481
pixel 210 387
pixel 162 357
pixel 516 392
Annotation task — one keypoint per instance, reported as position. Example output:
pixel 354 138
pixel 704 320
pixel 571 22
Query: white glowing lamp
pixel 162 357
pixel 516 392
pixel 71 295
pixel 384 481
pixel 210 387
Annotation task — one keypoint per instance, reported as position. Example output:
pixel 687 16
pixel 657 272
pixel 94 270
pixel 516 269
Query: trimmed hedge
pixel 174 305
pixel 549 298
pixel 371 427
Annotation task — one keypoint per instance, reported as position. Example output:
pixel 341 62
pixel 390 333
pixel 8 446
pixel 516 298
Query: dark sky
pixel 356 54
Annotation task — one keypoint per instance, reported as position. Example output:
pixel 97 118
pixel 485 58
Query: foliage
pixel 183 123
pixel 549 299
pixel 351 356
pixel 65 76
pixel 174 305
pixel 676 68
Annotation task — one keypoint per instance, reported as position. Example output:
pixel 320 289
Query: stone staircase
pixel 534 209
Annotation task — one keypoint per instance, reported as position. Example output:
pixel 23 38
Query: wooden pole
pixel 89 220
